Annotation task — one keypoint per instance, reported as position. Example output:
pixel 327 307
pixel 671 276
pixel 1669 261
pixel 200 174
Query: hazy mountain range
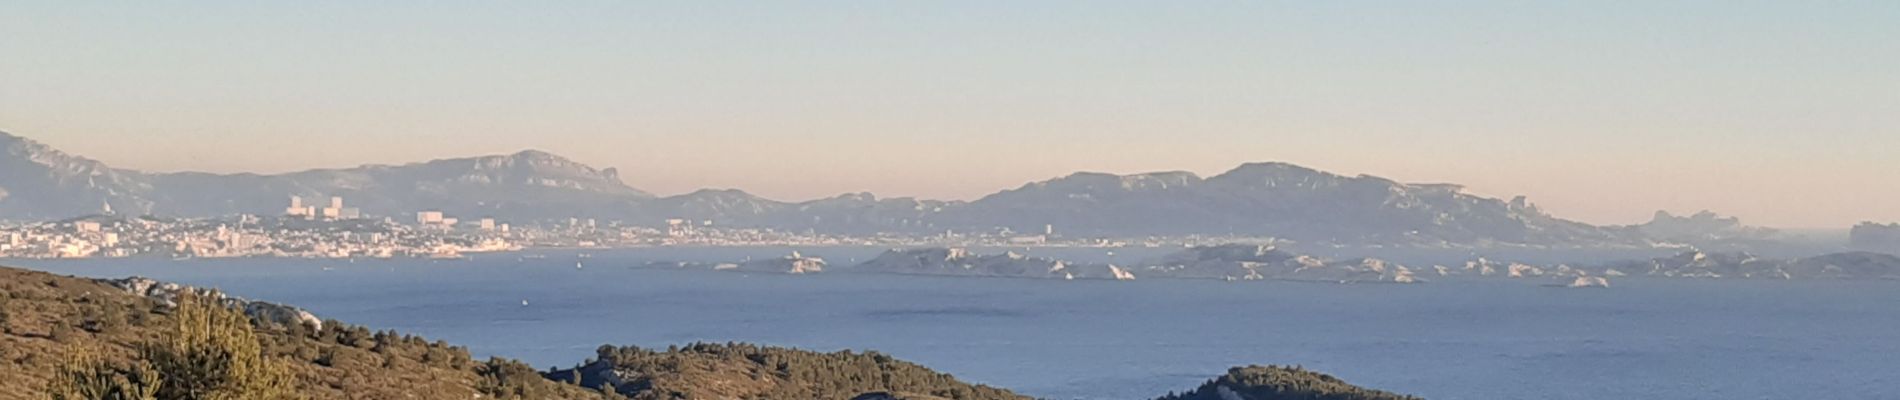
pixel 1278 199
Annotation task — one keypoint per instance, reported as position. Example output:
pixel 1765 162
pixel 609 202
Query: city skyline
pixel 1784 115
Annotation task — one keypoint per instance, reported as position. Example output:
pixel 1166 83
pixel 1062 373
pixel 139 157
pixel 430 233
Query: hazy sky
pixel 1784 113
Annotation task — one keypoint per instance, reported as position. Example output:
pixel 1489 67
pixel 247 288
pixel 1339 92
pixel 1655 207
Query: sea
pixel 1448 340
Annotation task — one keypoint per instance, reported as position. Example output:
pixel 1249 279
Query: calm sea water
pixel 1643 339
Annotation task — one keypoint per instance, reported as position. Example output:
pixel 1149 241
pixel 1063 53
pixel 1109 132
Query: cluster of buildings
pixel 338 231
pixel 242 236
pixel 336 210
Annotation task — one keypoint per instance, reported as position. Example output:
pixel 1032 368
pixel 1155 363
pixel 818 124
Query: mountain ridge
pixel 1257 199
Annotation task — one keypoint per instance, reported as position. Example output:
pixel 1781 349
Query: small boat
pixel 524 302
pixel 577 265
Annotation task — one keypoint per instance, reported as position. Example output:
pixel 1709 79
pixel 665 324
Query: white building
pixel 429 218
pixel 334 211
pixel 297 209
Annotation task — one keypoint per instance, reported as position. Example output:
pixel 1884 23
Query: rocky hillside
pixel 1277 199
pixel 46 317
pixel 527 184
pixel 40 182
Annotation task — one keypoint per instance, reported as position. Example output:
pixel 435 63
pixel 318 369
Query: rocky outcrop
pixel 167 293
pixel 1700 265
pixel 793 264
pixel 961 262
pixel 1264 262
pixel 796 264
pixel 1585 282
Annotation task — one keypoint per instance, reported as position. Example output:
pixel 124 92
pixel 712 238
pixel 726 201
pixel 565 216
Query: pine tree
pixel 212 354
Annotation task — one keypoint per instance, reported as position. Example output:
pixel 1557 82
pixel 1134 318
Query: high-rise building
pixel 334 211
pixel 297 208
pixel 429 218
pixel 488 224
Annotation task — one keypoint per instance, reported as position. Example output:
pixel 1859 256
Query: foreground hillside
pixel 46 317
pixel 74 338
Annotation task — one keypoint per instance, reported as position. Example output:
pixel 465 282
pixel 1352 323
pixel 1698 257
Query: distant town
pixel 334 230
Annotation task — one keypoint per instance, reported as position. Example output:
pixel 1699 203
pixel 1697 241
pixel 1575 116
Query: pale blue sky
pixel 1785 113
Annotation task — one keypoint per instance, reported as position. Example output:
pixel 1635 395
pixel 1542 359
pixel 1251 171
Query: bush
pixel 86 376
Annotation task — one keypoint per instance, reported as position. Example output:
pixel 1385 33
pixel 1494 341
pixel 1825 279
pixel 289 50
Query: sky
pixel 1783 113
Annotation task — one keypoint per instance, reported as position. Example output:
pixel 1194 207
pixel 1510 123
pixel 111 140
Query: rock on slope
pixel 167 293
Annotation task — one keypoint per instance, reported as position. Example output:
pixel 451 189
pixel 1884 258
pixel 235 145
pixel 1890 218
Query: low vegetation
pixel 1281 383
pixel 744 371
